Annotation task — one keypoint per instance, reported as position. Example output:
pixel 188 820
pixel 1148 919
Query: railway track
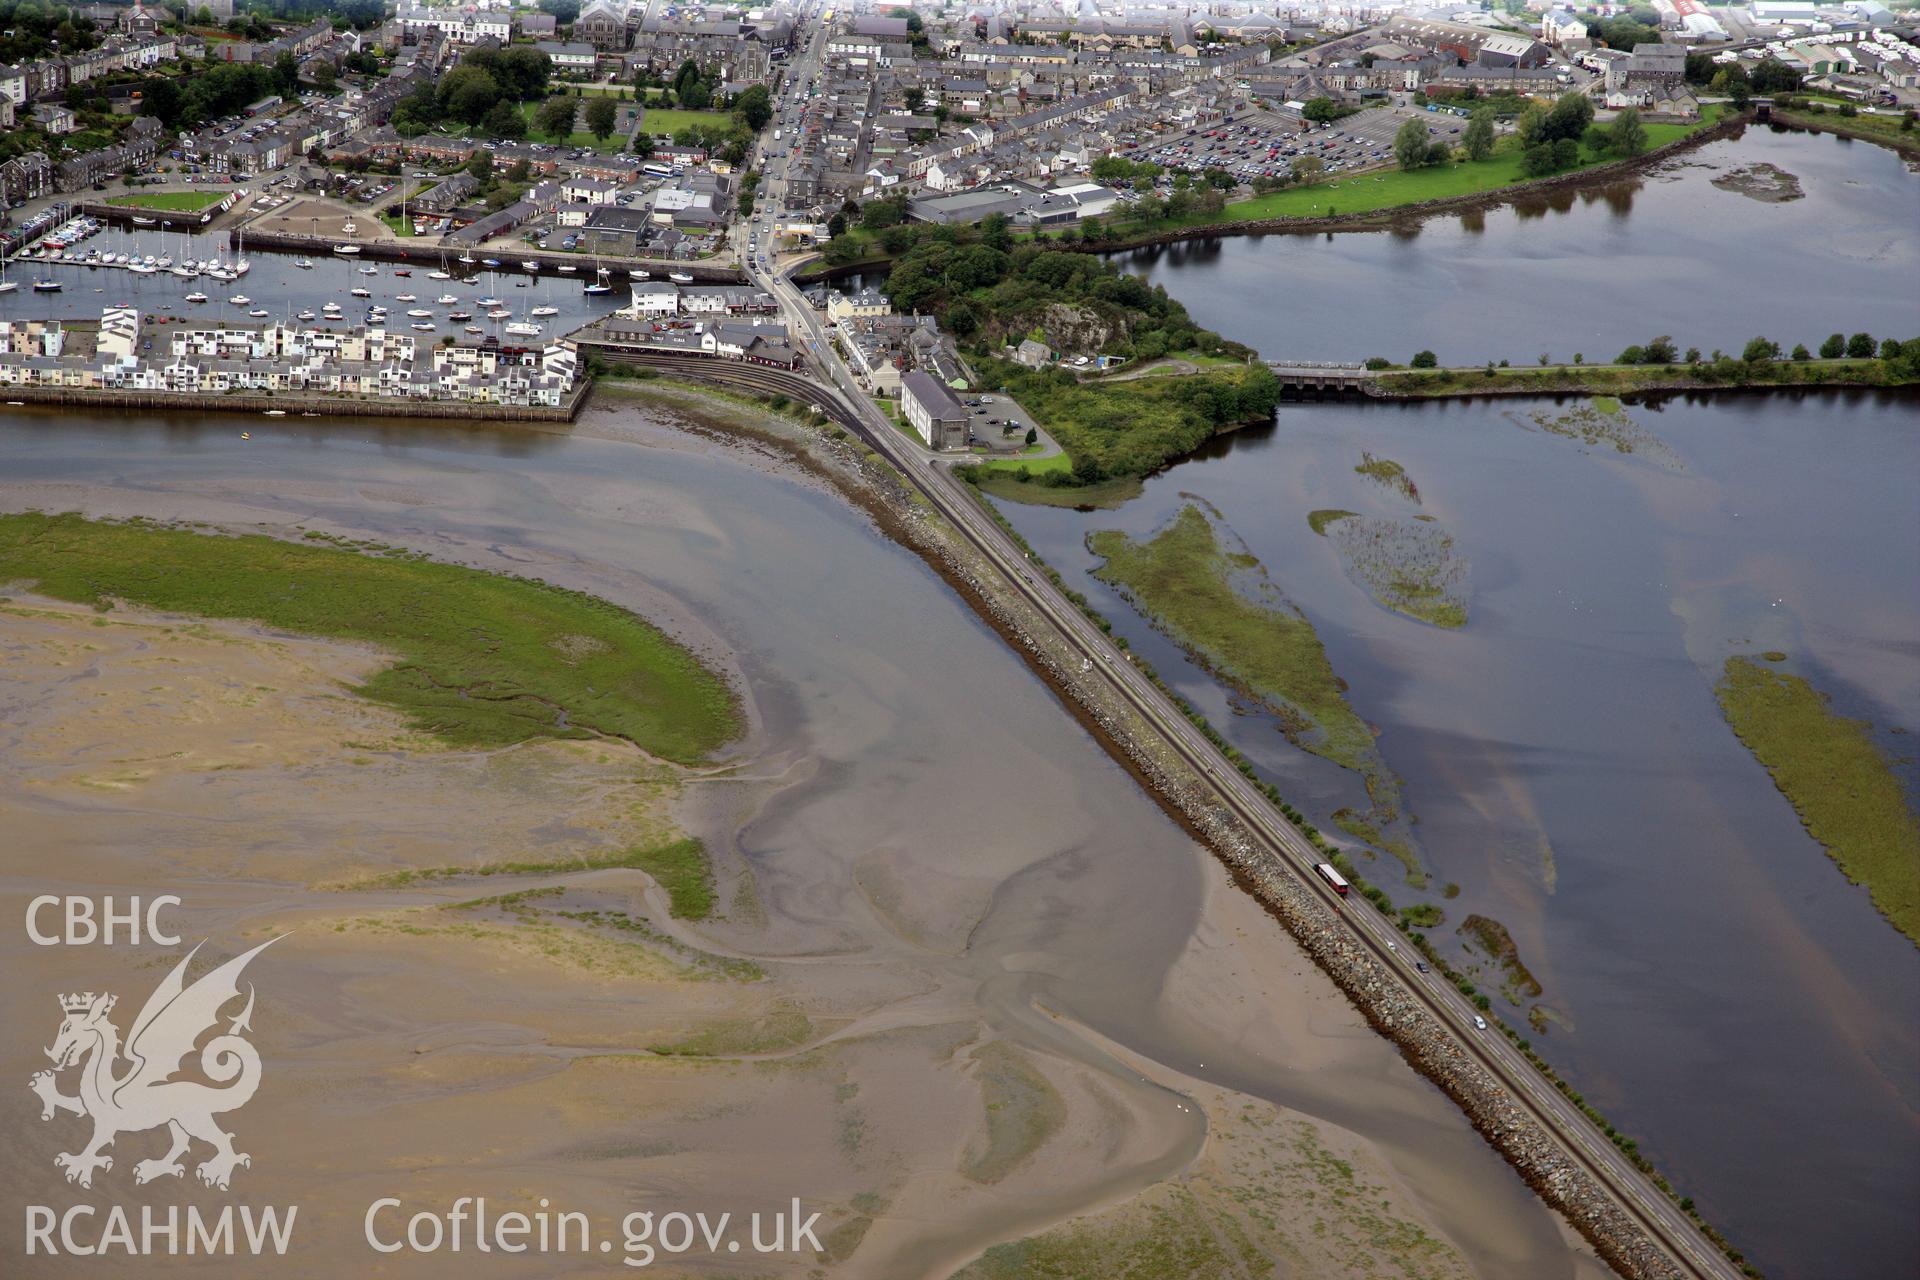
pixel 1690 1253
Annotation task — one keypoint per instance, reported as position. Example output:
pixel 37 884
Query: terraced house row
pixel 128 353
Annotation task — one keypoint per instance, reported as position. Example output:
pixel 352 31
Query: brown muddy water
pixel 920 847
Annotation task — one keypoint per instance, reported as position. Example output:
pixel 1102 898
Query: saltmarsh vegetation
pixel 1218 604
pixel 1389 474
pixel 1411 567
pixel 679 866
pixel 1837 780
pixel 481 659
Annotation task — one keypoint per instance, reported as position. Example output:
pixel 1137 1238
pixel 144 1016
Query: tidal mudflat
pixel 955 981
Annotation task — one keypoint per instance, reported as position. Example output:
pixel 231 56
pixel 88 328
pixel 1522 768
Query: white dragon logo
pixel 146 1096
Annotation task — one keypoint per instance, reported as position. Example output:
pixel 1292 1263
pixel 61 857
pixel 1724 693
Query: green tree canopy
pixel 1626 136
pixel 1478 138
pixel 467 93
pixel 602 112
pixel 554 118
pixel 1410 145
pixel 755 107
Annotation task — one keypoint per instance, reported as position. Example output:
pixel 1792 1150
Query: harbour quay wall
pixel 295 402
pixel 422 251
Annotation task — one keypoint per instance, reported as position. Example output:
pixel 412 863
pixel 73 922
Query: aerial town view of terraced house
pixel 875 641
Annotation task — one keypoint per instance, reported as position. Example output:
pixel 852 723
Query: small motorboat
pixel 445 300
pixel 305 315
pixel 403 273
pixel 423 326
pixel 680 277
pixel 489 262
pixel 246 435
pixel 566 268
pixel 474 328
pixel 458 316
pixel 305 264
pixel 274 413
pixel 240 299
pixel 546 311
pixel 404 297
pixel 524 329
pixel 143 222
pixel 259 313
pixel 196 296
pixel 420 314
pixel 361 293
pixel 369 270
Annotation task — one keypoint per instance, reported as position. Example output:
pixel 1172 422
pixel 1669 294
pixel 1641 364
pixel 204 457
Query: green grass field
pixel 171 201
pixel 481 660
pixel 1190 586
pixel 1829 769
pixel 1033 466
pixel 662 122
pixel 578 138
pixel 1132 429
pixel 1871 128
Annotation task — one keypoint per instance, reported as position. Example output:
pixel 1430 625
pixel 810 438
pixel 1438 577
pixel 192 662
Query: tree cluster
pixel 1550 136
pixel 1413 150
pixel 1760 350
pixel 692 89
pixel 1625 32
pixel 1118 171
pixel 30 30
pixel 986 286
pixel 220 90
pixel 1324 110
pixel 483 89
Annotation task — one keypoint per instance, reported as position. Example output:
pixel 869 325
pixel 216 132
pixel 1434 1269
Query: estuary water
pixel 1710 980
pixel 1721 992
pixel 1666 252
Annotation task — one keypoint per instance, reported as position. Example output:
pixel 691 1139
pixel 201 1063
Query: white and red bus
pixel 1332 877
